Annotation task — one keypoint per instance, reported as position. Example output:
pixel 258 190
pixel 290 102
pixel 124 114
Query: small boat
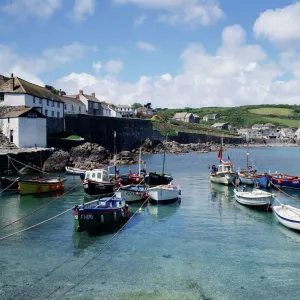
pixel 253 179
pixel 154 179
pixel 164 193
pixel 9 184
pixel 102 214
pixel 127 179
pixel 132 193
pixel 39 185
pixel 288 216
pixel 255 198
pixel 97 183
pixel 223 174
pixel 285 181
pixel 74 171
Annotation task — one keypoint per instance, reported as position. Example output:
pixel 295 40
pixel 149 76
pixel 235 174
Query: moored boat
pixel 223 174
pixel 132 193
pixel 285 181
pixel 164 193
pixel 97 183
pixel 75 171
pixel 253 179
pixel 288 216
pixel 154 179
pixel 255 198
pixel 39 185
pixel 102 214
pixel 9 184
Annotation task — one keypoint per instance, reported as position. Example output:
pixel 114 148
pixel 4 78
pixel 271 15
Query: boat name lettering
pixel 295 181
pixel 86 217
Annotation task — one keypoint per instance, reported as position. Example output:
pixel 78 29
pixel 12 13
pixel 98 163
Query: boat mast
pixel 140 158
pixel 247 153
pixel 163 170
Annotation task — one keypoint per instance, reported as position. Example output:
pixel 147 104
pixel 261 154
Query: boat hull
pixel 262 181
pixel 153 179
pixel 27 187
pixel 293 183
pixel 132 193
pixel 93 188
pixel 75 171
pixel 255 199
pixel 8 184
pixel 285 219
pixel 163 196
pixel 225 179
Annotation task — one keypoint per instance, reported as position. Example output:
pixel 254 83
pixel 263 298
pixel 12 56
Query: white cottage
pixel 25 127
pixel 73 105
pixel 19 92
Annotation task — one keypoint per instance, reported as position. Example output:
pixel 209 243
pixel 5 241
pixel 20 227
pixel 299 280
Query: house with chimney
pixel 19 92
pixel 73 106
pixel 93 106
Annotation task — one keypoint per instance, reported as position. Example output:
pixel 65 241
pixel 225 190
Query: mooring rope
pixel 9 186
pixel 294 198
pixel 39 208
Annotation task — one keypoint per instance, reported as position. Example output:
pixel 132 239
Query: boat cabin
pixel 225 167
pixel 99 175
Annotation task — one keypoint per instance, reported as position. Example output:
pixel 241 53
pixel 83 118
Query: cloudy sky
pixel 172 53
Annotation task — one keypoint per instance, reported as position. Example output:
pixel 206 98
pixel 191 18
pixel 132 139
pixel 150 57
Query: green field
pixel 286 122
pixel 272 111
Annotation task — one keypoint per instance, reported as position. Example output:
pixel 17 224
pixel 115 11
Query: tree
pixel 136 105
pixel 54 90
pixel 148 105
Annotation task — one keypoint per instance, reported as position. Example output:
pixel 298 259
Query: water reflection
pixel 160 213
pixel 84 240
pixel 220 193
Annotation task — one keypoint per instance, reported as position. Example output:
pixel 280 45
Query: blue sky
pixel 139 45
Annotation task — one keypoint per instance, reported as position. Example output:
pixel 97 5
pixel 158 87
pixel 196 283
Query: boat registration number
pixel 100 186
pixel 86 217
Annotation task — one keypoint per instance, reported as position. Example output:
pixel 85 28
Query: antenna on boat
pixel 163 170
pixel 115 155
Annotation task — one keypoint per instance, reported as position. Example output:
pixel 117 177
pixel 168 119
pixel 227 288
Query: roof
pixel 196 116
pixel 71 100
pixel 258 125
pixel 22 86
pixel 2 79
pixel 104 105
pixel 180 115
pixel 88 97
pixel 19 112
pixel 220 124
pixel 123 106
pixel 211 116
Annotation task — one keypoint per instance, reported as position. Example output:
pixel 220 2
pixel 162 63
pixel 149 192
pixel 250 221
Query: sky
pixel 171 53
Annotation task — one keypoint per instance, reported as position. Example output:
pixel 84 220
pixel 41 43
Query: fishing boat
pixel 132 193
pixel 9 184
pixel 288 216
pixel 75 171
pixel 39 185
pixel 285 181
pixel 101 214
pixel 255 198
pixel 97 183
pixel 164 193
pixel 253 179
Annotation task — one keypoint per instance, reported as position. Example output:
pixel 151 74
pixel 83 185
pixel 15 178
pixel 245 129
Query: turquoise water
pixel 207 247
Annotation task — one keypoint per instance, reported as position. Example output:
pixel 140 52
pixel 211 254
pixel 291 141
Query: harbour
pixel 208 246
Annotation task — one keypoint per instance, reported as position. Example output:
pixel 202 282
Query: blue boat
pixel 285 181
pixel 261 180
pixel 101 215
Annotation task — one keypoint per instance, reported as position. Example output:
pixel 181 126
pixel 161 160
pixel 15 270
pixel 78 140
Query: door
pixel 11 136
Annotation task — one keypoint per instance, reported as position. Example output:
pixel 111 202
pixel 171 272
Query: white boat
pixel 288 216
pixel 74 171
pixel 224 174
pixel 255 198
pixel 164 193
pixel 132 193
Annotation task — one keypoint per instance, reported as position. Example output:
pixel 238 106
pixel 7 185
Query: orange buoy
pixel 279 181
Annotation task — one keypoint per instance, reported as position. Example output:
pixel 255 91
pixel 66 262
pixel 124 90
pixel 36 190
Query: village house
pixel 222 126
pixel 146 111
pixel 297 133
pixel 125 110
pixel 287 133
pixel 25 127
pixel 250 133
pixel 113 112
pixel 211 117
pixel 18 92
pixel 186 117
pixel 73 105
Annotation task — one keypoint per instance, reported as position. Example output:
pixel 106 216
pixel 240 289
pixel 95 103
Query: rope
pixel 13 164
pixel 27 165
pixel 39 208
pixel 98 252
pixel 282 192
pixel 30 227
pixel 9 186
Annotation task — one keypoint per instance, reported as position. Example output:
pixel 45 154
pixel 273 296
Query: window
pixel 65 106
pixel 52 113
pixel 32 115
pixel 52 103
pixel 79 108
pixel 46 112
pixel 8 120
pixel 33 99
pixel 72 107
pixel 40 101
pixel 58 114
pixel 47 102
pixel 1 97
pixel 58 104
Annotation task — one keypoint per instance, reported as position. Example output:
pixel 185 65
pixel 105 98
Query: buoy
pixel 279 181
pixel 57 187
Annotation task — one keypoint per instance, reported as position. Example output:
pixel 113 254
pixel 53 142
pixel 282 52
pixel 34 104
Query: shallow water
pixel 206 247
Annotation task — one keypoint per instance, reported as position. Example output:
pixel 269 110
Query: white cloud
pixel 42 9
pixel 279 25
pixel 97 66
pixel 146 46
pixel 140 20
pixel 82 9
pixel 192 12
pixel 114 66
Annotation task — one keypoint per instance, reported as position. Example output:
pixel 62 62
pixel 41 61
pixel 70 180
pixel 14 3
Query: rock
pixel 56 162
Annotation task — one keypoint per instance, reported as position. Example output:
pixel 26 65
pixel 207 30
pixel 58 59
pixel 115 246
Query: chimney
pixel 93 95
pixel 12 82
pixel 80 92
pixel 59 93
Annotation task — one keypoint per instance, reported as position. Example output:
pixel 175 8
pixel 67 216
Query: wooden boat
pixel 285 181
pixel 154 179
pixel 9 184
pixel 102 214
pixel 128 179
pixel 97 183
pixel 74 171
pixel 288 216
pixel 132 193
pixel 39 185
pixel 253 179
pixel 164 193
pixel 223 174
pixel 255 198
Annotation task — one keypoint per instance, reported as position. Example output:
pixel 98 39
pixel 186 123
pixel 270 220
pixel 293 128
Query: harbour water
pixel 206 247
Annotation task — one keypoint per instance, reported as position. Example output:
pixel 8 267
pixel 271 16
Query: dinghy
pixel 288 216
pixel 164 193
pixel 255 198
pixel 74 171
pixel 132 193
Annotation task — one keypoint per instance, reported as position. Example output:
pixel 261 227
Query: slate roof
pixel 180 115
pixel 219 124
pixel 71 100
pixel 22 86
pixel 19 112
